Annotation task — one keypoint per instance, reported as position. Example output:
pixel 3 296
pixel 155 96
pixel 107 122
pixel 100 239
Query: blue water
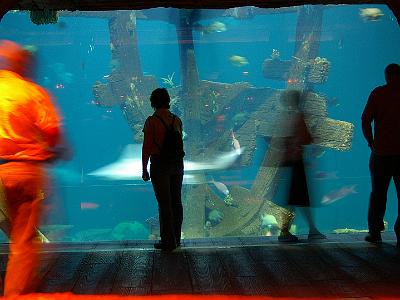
pixel 75 53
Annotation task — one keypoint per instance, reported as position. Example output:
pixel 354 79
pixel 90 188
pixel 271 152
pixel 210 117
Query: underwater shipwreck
pixel 209 104
pixel 206 105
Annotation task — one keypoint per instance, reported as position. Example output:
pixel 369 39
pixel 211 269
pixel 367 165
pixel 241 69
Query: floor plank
pixel 341 267
pixel 135 272
pixel 209 274
pixel 171 273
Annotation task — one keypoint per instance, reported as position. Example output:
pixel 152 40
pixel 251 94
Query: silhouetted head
pixel 291 98
pixel 160 98
pixel 392 74
pixel 16 59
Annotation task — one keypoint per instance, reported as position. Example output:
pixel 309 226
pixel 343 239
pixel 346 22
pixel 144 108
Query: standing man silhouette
pixel 163 145
pixel 383 108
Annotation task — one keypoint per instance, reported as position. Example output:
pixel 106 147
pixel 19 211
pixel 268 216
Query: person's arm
pixel 48 121
pixel 146 149
pixel 63 150
pixel 367 118
pixel 180 126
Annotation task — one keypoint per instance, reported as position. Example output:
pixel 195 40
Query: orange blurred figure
pixel 30 134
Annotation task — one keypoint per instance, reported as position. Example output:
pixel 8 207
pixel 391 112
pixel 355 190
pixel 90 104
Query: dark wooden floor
pixel 342 266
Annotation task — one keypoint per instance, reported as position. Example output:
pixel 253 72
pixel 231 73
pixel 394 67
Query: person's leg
pixel 5 224
pixel 397 224
pixel 380 179
pixel 24 200
pixel 289 186
pixel 308 217
pixel 21 276
pixel 161 185
pixel 301 198
pixel 286 223
pixel 285 236
pixel 314 233
pixel 177 209
pixel 396 178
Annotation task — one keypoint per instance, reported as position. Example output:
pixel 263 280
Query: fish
pixel 349 230
pixel 317 152
pixel 268 220
pixel 129 166
pixel 212 28
pixel 235 142
pixel 217 27
pixel 338 194
pixel 238 61
pixel 275 54
pixel 371 14
pixel 89 205
pixel 321 175
pixel 333 102
pixel 91 48
pixel 240 117
pixel 269 225
pixel 340 44
pixel 220 187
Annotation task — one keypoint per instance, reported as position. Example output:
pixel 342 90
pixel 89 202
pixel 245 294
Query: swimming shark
pixel 129 166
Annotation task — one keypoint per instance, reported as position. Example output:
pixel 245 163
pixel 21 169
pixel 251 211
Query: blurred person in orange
pixel 30 136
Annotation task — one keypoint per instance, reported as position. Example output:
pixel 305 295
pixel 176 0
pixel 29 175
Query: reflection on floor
pixel 342 267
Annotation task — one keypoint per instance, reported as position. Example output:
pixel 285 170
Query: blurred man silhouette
pixel 289 140
pixel 30 135
pixel 383 108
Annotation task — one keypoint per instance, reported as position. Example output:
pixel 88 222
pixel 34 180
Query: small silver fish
pixel 221 187
pixel 235 143
pixel 321 175
pixel 336 195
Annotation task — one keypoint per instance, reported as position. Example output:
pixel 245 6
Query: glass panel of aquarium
pixel 226 71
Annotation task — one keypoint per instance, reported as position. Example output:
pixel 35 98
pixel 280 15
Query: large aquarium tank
pixel 225 71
